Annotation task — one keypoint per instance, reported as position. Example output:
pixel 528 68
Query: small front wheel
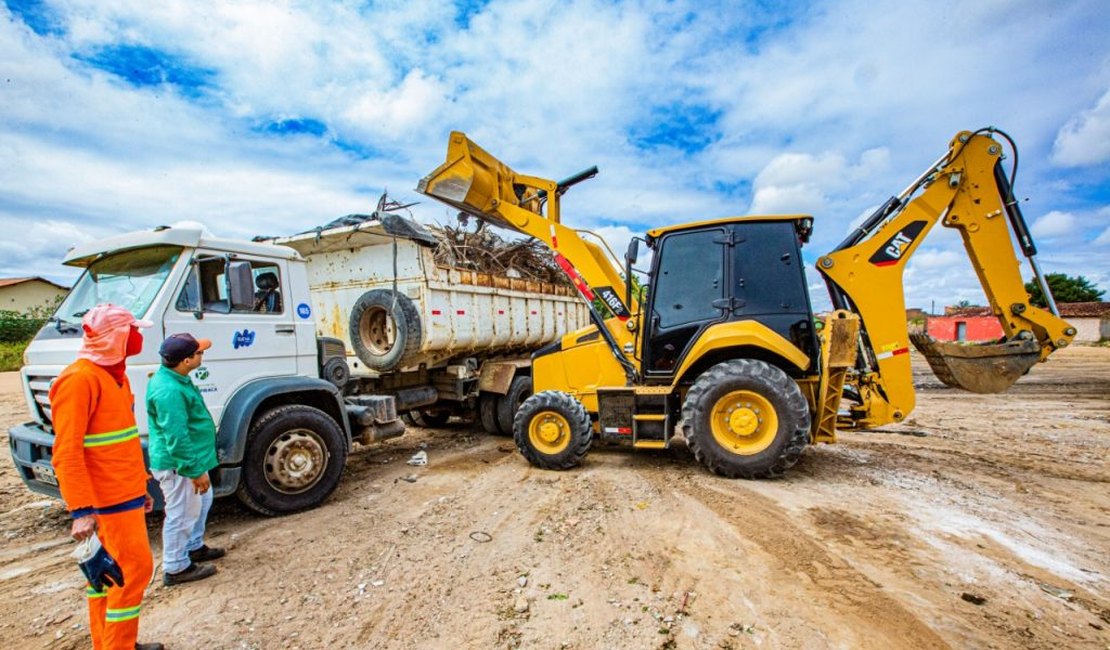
pixel 294 459
pixel 552 430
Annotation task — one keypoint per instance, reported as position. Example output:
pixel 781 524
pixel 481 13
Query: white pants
pixel 186 513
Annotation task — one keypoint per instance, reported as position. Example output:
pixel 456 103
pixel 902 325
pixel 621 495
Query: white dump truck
pixel 319 341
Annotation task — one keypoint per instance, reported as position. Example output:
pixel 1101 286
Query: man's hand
pixel 201 483
pixel 148 504
pixel 83 527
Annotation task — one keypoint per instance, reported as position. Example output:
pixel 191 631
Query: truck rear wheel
pixel 384 329
pixel 746 419
pixel 487 413
pixel 429 418
pixel 552 430
pixel 294 459
pixel 508 404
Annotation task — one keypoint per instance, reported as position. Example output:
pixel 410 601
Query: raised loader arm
pixel 479 184
pixel 967 190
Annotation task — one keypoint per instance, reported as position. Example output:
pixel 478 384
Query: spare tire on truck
pixel 385 329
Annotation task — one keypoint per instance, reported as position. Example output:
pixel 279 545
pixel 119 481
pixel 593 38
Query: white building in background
pixel 21 294
pixel 1090 319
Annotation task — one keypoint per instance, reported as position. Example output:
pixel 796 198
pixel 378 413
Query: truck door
pixel 248 341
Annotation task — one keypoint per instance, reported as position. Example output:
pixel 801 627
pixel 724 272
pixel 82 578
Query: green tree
pixel 1064 289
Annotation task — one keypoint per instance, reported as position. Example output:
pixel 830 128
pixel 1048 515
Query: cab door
pixel 249 341
pixel 686 295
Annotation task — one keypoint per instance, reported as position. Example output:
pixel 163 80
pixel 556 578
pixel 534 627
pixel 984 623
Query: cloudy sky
pixel 271 117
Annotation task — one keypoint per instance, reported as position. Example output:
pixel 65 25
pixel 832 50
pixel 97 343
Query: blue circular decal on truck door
pixel 303 310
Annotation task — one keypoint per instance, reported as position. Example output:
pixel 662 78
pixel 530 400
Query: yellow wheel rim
pixel 744 422
pixel 549 432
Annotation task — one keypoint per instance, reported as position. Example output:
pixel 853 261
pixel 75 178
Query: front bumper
pixel 32 450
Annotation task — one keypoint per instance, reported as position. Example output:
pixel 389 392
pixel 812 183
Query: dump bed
pixel 383 294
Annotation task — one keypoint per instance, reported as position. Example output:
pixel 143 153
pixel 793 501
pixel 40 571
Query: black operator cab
pixel 735 269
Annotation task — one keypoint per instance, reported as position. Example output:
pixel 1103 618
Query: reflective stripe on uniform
pixel 111 438
pixel 121 615
pixel 93 593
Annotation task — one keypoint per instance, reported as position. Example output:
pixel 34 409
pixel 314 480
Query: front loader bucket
pixel 987 368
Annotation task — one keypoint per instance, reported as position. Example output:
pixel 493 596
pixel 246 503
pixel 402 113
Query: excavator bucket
pixel 474 181
pixel 987 368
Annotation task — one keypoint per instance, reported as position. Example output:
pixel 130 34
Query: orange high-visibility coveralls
pixel 99 463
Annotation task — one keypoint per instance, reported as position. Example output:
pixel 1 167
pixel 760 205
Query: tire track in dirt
pixel 828 583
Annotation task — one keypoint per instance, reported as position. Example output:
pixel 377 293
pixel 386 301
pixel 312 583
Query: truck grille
pixel 40 391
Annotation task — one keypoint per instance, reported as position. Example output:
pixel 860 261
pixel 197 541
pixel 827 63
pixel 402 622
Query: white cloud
pixel 800 110
pixel 397 111
pixel 1085 139
pixel 1104 238
pixel 802 183
pixel 1054 224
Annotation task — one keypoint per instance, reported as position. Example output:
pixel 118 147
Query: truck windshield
pixel 130 279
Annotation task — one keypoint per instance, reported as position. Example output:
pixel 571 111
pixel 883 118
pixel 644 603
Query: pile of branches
pixel 484 251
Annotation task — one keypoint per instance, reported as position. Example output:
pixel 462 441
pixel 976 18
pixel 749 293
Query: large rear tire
pixel 384 329
pixel 552 430
pixel 508 404
pixel 746 419
pixel 294 459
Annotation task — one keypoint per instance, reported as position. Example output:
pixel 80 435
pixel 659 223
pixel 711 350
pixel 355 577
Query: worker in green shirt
pixel 182 449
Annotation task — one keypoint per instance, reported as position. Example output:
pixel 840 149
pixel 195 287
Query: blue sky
pixel 274 117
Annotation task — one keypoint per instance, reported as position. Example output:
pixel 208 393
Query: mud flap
pixel 988 368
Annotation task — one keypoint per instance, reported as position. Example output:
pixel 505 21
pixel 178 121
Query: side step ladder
pixel 652 419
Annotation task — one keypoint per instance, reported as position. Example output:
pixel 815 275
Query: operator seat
pixel 267 298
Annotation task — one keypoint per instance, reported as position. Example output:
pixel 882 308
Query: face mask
pixel 134 342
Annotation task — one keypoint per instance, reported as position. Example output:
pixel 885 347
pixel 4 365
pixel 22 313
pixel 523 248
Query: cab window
pixel 205 289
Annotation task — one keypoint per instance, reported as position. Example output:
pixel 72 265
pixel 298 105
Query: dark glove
pixel 101 569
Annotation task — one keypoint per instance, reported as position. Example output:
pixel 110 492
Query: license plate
pixel 44 473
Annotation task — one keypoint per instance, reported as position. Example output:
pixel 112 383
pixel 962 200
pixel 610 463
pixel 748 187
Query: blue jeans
pixel 186 513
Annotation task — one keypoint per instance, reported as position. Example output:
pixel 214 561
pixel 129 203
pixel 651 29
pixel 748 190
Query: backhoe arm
pixel 966 190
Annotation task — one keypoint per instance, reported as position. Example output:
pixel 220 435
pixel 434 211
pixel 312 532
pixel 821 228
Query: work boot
pixel 149 646
pixel 206 553
pixel 192 573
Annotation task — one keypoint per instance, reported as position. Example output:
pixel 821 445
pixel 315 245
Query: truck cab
pixel 283 432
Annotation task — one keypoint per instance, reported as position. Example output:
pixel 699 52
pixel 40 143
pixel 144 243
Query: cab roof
pixel 656 233
pixel 86 253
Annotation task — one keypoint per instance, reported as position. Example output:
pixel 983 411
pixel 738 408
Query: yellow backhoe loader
pixel 725 341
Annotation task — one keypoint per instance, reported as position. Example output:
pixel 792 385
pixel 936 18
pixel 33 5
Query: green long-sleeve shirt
pixel 182 433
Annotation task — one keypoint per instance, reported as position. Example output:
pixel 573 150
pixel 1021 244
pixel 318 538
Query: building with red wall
pixel 964 324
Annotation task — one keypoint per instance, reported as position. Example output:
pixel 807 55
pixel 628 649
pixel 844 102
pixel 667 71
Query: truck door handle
pixel 284 329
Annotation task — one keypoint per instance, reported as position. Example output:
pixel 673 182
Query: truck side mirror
pixel 240 286
pixel 633 252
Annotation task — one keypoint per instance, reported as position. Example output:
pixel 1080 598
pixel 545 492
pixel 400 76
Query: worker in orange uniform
pixel 98 460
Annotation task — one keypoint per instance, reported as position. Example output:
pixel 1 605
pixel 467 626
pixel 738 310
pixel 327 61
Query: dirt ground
pixel 983 522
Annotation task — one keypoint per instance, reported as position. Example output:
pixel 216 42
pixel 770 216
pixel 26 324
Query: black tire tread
pixel 487 414
pixel 576 416
pixel 429 419
pixel 406 318
pixel 777 383
pixel 256 501
pixel 520 389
